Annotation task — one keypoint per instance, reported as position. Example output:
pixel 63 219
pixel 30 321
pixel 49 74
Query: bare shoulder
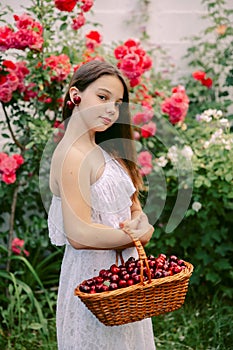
pixel 66 163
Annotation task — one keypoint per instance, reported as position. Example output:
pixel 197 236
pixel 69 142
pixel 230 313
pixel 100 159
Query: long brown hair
pixel 118 139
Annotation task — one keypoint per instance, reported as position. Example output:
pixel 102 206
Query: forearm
pixel 82 235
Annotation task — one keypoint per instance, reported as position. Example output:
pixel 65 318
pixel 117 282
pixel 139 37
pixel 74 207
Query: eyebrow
pixel 109 92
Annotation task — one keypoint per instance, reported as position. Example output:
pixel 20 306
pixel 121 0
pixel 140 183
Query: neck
pixel 76 132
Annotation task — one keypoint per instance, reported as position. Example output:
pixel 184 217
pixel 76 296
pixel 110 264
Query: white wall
pixel 169 22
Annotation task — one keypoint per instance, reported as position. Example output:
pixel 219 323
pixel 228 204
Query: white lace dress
pixel 77 327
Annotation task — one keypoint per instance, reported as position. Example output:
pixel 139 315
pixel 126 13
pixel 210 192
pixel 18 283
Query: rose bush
pixel 173 131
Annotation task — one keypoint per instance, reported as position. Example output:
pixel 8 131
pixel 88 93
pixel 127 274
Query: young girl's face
pixel 100 102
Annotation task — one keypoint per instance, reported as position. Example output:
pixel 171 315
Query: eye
pixel 118 104
pixel 102 97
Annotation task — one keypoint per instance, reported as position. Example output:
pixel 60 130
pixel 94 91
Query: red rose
pixel 5 36
pixel 120 51
pixel 199 75
pixel 95 36
pixel 135 81
pixel 65 5
pixel 131 43
pixel 148 130
pixel 208 82
pixel 131 66
pixel 87 5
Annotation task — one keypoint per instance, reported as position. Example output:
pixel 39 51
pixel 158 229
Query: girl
pixel 95 181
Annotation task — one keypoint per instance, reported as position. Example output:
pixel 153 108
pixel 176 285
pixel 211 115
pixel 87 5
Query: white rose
pixel 196 206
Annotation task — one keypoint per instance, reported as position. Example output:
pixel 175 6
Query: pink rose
pixel 145 170
pixel 79 21
pixel 176 106
pixel 138 118
pixel 8 165
pixel 5 94
pixel 19 159
pixel 136 135
pixel 17 247
pixel 59 67
pixel 9 178
pixel 145 158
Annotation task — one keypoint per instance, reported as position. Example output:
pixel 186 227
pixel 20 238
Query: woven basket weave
pixel 142 300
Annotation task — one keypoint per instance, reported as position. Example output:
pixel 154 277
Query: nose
pixel 111 108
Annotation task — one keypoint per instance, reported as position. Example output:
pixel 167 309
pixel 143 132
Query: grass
pixel 201 324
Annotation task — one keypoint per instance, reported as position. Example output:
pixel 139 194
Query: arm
pixel 76 207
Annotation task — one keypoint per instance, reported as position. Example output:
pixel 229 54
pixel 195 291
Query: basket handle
pixel 142 257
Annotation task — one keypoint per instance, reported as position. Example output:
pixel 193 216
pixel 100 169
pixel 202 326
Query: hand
pixel 139 228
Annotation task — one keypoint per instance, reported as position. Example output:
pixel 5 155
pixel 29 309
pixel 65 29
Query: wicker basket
pixel 142 300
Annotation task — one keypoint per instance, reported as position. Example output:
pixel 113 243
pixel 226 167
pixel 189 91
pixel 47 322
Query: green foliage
pixel 198 325
pixel 212 52
pixel 205 232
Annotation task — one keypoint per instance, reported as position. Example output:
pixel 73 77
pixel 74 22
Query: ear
pixel 73 92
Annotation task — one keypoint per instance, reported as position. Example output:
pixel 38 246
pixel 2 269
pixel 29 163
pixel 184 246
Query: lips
pixel 106 120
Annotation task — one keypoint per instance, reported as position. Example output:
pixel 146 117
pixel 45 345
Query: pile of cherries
pixel 129 274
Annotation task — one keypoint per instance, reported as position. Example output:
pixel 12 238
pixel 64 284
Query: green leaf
pixel 222 264
pixel 63 26
pixel 228 177
pixel 35 326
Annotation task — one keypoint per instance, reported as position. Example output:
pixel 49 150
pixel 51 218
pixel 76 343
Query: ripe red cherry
pixel 113 286
pixel 130 282
pixel 122 273
pixel 158 274
pixel 126 276
pixel 180 262
pixel 102 273
pixel 84 288
pixel 137 278
pixel 99 280
pixel 104 288
pixel 173 258
pixel 114 269
pixel 130 269
pixel 163 256
pixel 114 278
pixel 131 259
pixel 152 263
pixel 177 269
pixel 98 288
pixel 122 284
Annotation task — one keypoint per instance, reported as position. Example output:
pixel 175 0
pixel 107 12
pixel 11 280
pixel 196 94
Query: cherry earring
pixel 70 104
pixel 77 100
